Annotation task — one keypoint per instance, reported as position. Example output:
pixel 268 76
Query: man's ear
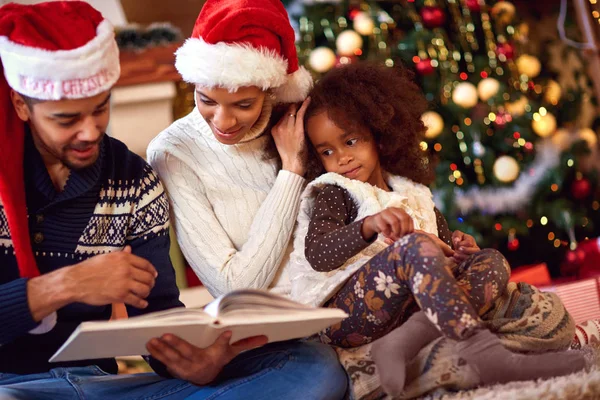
pixel 20 106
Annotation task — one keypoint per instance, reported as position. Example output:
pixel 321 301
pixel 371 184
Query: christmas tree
pixel 511 155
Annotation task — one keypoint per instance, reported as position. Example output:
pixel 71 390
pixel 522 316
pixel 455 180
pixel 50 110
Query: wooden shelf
pixel 153 65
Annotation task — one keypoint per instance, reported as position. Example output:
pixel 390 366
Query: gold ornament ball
pixel 552 92
pixel 545 125
pixel 562 139
pixel 517 107
pixel 504 11
pixel 487 88
pixel 529 65
pixel 348 42
pixel 434 123
pixel 363 23
pixel 506 169
pixel 589 136
pixel 321 59
pixel 465 95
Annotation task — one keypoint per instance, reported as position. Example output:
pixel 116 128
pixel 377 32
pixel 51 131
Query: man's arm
pixel 16 318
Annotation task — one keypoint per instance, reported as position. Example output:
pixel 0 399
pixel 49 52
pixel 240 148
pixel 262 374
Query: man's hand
pixel 118 277
pixel 393 223
pixel 464 246
pixel 196 365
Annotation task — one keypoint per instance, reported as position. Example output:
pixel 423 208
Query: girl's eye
pixel 207 102
pixel 244 106
pixel 352 142
pixel 327 152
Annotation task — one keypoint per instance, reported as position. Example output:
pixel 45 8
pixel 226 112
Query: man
pixel 84 224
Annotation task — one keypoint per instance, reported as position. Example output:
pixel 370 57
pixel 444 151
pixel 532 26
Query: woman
pixel 234 207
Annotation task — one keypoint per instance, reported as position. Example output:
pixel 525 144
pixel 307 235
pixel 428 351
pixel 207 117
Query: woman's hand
pixel 196 365
pixel 289 139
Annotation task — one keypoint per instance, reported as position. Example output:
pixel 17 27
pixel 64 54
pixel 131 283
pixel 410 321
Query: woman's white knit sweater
pixel 234 213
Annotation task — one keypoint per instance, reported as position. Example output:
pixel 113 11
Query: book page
pixel 250 300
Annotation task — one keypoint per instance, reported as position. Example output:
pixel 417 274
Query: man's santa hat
pixel 238 43
pixel 48 51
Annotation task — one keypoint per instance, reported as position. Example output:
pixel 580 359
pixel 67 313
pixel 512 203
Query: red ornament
pixel 584 261
pixel 432 17
pixel 353 13
pixel 473 6
pixel 581 188
pixel 424 67
pixel 502 118
pixel 513 245
pixel 506 49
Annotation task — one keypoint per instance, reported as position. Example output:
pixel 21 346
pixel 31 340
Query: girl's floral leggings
pixel 413 273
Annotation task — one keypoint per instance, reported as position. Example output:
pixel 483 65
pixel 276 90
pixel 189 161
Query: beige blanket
pixel 524 318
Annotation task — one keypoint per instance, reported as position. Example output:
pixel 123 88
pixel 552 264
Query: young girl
pixel 367 239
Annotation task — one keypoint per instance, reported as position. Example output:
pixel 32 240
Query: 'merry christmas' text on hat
pixel 238 43
pixel 48 51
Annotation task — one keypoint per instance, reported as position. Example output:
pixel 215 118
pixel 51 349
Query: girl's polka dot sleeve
pixel 333 236
pixel 443 230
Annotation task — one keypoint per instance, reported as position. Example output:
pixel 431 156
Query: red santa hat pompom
pixel 48 51
pixel 237 43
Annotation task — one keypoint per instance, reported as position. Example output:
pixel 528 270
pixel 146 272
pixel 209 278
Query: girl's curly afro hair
pixel 384 100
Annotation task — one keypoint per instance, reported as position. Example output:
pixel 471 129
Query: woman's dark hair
pixel 384 100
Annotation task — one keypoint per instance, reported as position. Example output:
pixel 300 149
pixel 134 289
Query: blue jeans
pixel 287 370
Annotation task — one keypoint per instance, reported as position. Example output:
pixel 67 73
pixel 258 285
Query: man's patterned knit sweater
pixel 118 201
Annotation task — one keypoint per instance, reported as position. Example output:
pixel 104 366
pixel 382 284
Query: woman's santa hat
pixel 238 43
pixel 48 51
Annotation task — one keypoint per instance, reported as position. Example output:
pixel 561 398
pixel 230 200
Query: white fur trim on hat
pixel 233 65
pixel 63 74
pixel 295 88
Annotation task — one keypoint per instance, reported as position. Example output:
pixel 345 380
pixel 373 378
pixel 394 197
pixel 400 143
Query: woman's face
pixel 230 115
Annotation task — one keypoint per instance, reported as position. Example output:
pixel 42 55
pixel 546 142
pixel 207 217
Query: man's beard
pixel 82 145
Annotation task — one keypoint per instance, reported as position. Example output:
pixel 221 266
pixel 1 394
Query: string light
pixel 554 187
pixel 551 236
pixel 556 243
pixel 529 223
pixel 544 221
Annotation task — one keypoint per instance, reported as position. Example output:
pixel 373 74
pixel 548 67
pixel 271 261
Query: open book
pixel 245 313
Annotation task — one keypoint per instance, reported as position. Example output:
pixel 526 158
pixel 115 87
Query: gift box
pixel 581 298
pixel 536 275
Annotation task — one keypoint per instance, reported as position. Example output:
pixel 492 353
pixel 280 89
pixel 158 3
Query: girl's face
pixel 230 115
pixel 352 153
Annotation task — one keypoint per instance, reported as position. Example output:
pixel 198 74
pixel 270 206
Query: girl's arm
pixel 333 236
pixel 206 246
pixel 443 230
